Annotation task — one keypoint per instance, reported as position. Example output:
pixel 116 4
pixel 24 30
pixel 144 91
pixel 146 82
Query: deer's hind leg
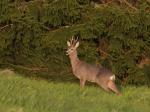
pixel 82 83
pixel 113 87
pixel 104 86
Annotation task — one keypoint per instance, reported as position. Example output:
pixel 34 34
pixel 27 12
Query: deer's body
pixel 87 72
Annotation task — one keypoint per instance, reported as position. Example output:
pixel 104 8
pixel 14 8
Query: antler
pixel 77 39
pixel 73 41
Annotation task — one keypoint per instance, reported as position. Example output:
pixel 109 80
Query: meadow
pixel 22 94
pixel 112 33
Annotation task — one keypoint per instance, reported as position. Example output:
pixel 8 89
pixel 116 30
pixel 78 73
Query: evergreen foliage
pixel 34 33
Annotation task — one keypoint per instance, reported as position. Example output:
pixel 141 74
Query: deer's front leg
pixel 82 83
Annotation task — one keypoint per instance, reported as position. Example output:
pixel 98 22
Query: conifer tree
pixel 113 33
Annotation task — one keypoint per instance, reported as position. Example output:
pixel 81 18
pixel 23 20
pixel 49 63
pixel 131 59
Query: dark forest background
pixel 112 33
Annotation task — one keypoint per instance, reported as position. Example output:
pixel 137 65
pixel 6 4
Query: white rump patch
pixel 112 77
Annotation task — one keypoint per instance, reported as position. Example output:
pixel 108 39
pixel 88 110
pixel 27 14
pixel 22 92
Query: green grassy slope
pixel 20 94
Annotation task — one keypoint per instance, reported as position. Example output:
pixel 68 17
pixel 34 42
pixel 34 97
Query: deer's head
pixel 73 44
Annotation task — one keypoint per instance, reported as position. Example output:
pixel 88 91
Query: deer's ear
pixel 68 43
pixel 77 44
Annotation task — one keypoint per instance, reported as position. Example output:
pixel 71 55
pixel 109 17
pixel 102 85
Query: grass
pixel 20 94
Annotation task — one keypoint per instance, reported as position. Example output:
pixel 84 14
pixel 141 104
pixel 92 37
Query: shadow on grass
pixel 55 77
pixel 64 75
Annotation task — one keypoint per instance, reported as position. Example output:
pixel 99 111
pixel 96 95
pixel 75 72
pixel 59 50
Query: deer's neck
pixel 74 60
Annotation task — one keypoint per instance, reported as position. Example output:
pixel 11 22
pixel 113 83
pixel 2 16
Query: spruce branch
pixel 148 1
pixel 30 68
pixel 1 28
pixel 103 52
pixel 128 4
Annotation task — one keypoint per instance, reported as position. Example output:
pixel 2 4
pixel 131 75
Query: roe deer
pixel 86 72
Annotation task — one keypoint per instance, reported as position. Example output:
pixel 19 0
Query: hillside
pixel 20 94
